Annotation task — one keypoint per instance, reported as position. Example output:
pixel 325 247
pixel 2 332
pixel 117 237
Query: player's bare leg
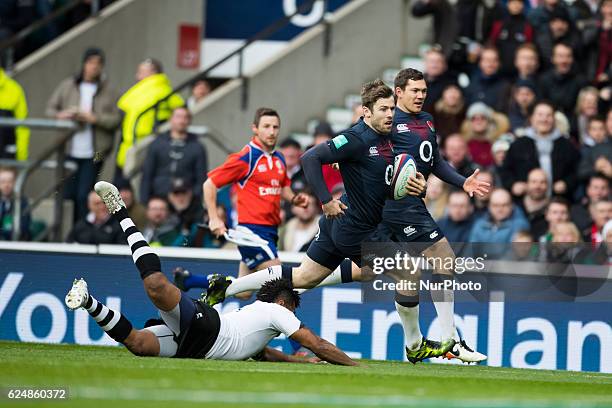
pixel 139 342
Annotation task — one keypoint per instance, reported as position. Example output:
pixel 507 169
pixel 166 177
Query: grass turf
pixel 112 377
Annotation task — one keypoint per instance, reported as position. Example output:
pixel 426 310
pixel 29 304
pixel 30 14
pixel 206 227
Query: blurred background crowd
pixel 519 89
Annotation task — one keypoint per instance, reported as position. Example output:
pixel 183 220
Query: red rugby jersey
pixel 259 178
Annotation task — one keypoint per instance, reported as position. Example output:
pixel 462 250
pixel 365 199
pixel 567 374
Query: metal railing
pixel 204 133
pixel 25 169
pixel 262 35
pixel 7 46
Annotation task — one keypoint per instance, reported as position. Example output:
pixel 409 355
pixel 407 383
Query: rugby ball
pixel 403 168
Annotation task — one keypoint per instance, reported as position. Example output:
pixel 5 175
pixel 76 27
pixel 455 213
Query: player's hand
pixel 300 200
pixel 416 185
pixel 316 360
pixel 336 166
pixel 474 186
pixel 217 227
pixel 334 209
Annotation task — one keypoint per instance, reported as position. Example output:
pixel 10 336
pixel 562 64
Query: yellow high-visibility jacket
pixel 136 100
pixel 13 105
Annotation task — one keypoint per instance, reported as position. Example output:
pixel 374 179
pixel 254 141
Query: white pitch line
pixel 283 398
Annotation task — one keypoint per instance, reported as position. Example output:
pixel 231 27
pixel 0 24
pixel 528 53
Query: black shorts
pixel 410 232
pixel 338 239
pixel 200 325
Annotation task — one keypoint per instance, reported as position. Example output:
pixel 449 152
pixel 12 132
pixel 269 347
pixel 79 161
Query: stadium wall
pixel 301 82
pixel 34 279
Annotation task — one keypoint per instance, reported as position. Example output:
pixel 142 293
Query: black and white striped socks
pixel 144 257
pixel 111 321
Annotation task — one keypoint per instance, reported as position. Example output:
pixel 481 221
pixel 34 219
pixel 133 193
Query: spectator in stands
pixel 523 98
pixel 437 76
pixel 174 154
pixel 322 133
pixel 457 224
pixel 560 30
pixel 597 189
pixel 561 84
pixel 357 113
pixel 509 32
pixel 487 85
pixel 292 151
pixel 185 205
pixel 540 16
pixel 499 151
pixel 139 118
pixel 535 201
pixel 97 227
pixel 481 203
pixel 436 199
pixel 542 146
pixel 601 213
pixel 7 203
pixel 501 223
pixel 136 211
pixel 596 158
pixel 598 41
pixel 565 232
pixel 449 113
pixel 482 127
pixel 13 141
pixel 557 211
pixel 199 92
pixel 88 99
pixel 456 152
pixel 301 229
pixel 523 248
pixel 586 108
pixel 162 227
pixel 527 62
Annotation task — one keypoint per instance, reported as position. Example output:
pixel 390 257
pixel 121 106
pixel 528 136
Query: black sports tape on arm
pixel 312 162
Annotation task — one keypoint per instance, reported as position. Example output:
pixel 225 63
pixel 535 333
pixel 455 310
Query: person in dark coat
pixel 174 154
pixel 545 147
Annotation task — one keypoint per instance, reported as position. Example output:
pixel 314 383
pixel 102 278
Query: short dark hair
pixel 406 74
pixel 278 289
pixel 290 142
pixel 373 91
pixel 533 107
pixel 599 176
pixel 264 112
pixel 558 200
pixel 596 118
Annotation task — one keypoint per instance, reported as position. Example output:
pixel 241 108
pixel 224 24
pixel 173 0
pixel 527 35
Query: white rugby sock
pixel 410 323
pixel 444 302
pixel 254 281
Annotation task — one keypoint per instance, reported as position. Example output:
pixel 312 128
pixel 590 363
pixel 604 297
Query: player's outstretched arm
pixel 275 356
pixel 321 347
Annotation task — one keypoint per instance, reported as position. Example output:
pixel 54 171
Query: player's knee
pixel 139 344
pixel 156 286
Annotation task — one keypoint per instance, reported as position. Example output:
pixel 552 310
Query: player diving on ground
pixel 192 329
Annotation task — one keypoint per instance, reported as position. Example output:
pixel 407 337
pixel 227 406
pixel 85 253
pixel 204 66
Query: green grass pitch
pixel 112 377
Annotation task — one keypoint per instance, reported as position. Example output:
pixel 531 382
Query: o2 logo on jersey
pixel 389 174
pixel 426 151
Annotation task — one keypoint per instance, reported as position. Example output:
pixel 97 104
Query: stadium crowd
pixel 519 89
